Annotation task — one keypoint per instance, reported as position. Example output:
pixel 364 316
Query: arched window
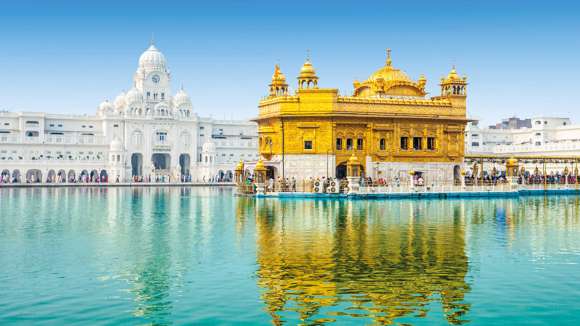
pixel 137 138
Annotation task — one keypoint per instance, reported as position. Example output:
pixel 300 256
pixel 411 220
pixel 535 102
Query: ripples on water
pixel 170 255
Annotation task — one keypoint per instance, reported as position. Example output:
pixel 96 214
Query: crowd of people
pixel 526 178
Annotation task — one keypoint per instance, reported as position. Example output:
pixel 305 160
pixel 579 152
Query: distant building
pixel 542 136
pixel 512 123
pixel 144 133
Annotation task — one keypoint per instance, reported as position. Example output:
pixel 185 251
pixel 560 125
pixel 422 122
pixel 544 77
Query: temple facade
pixel 388 123
pixel 146 133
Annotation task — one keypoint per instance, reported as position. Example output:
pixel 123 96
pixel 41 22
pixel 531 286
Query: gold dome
pixel 453 77
pixel 278 76
pixel 307 70
pixel 388 73
pixel 260 166
pixel 240 166
pixel 390 81
pixel 512 162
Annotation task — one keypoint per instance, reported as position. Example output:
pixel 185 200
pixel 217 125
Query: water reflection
pixel 327 260
pixel 201 256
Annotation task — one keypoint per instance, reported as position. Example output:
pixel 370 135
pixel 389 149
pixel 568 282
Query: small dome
pixel 181 99
pixel 120 101
pixel 240 166
pixel 453 74
pixel 208 147
pixel 453 77
pixel 134 96
pixel 307 70
pixel 278 76
pixel 116 145
pixel 105 107
pixel 152 59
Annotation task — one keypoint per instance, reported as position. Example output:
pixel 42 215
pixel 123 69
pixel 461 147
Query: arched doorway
pixel 104 176
pixel 137 164
pixel 71 176
pixel 161 161
pixel 457 175
pixel 184 164
pixel 16 177
pixel 61 176
pixel 34 176
pixel 341 171
pixel 94 175
pixel 221 175
pixel 84 176
pixel 270 172
pixel 51 177
pixel 5 176
pixel 229 176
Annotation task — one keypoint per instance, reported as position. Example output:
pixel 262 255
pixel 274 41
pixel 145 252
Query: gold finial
pixel 307 54
pixel 389 61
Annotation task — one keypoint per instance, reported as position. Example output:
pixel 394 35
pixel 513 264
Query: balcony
pixel 161 144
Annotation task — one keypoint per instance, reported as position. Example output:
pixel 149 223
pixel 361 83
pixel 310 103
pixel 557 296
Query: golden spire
pixel 389 61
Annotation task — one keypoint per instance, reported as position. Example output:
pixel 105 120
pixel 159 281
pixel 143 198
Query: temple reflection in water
pixel 324 259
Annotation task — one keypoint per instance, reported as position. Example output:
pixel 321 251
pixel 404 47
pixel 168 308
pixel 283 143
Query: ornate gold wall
pixel 382 110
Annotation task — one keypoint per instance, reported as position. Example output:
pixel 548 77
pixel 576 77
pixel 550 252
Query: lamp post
pixel 260 174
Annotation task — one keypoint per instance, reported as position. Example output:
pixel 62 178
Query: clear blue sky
pixel 521 57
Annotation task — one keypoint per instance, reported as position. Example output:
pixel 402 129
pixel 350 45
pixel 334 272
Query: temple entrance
pixel 161 161
pixel 270 173
pixel 341 171
pixel 137 164
pixel 184 164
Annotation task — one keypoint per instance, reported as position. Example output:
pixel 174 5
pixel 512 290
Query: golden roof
pixel 389 80
pixel 240 166
pixel 278 77
pixel 260 166
pixel 453 77
pixel 388 73
pixel 307 70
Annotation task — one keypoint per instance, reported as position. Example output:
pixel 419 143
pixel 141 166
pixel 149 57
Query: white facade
pixel 146 133
pixel 547 136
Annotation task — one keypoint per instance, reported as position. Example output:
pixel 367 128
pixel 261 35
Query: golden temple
pixel 388 123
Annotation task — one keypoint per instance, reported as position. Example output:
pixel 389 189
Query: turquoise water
pixel 200 256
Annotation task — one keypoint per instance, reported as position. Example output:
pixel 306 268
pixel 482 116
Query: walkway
pixel 120 184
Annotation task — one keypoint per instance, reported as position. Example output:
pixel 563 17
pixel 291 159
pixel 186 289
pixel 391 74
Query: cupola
pixel 453 84
pixel 307 78
pixel 278 87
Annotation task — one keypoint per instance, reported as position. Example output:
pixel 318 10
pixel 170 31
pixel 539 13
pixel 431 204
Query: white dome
pixel 208 147
pixel 116 145
pixel 134 96
pixel 105 107
pixel 120 101
pixel 181 99
pixel 152 59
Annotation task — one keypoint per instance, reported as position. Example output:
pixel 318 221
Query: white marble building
pixel 145 133
pixel 547 136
